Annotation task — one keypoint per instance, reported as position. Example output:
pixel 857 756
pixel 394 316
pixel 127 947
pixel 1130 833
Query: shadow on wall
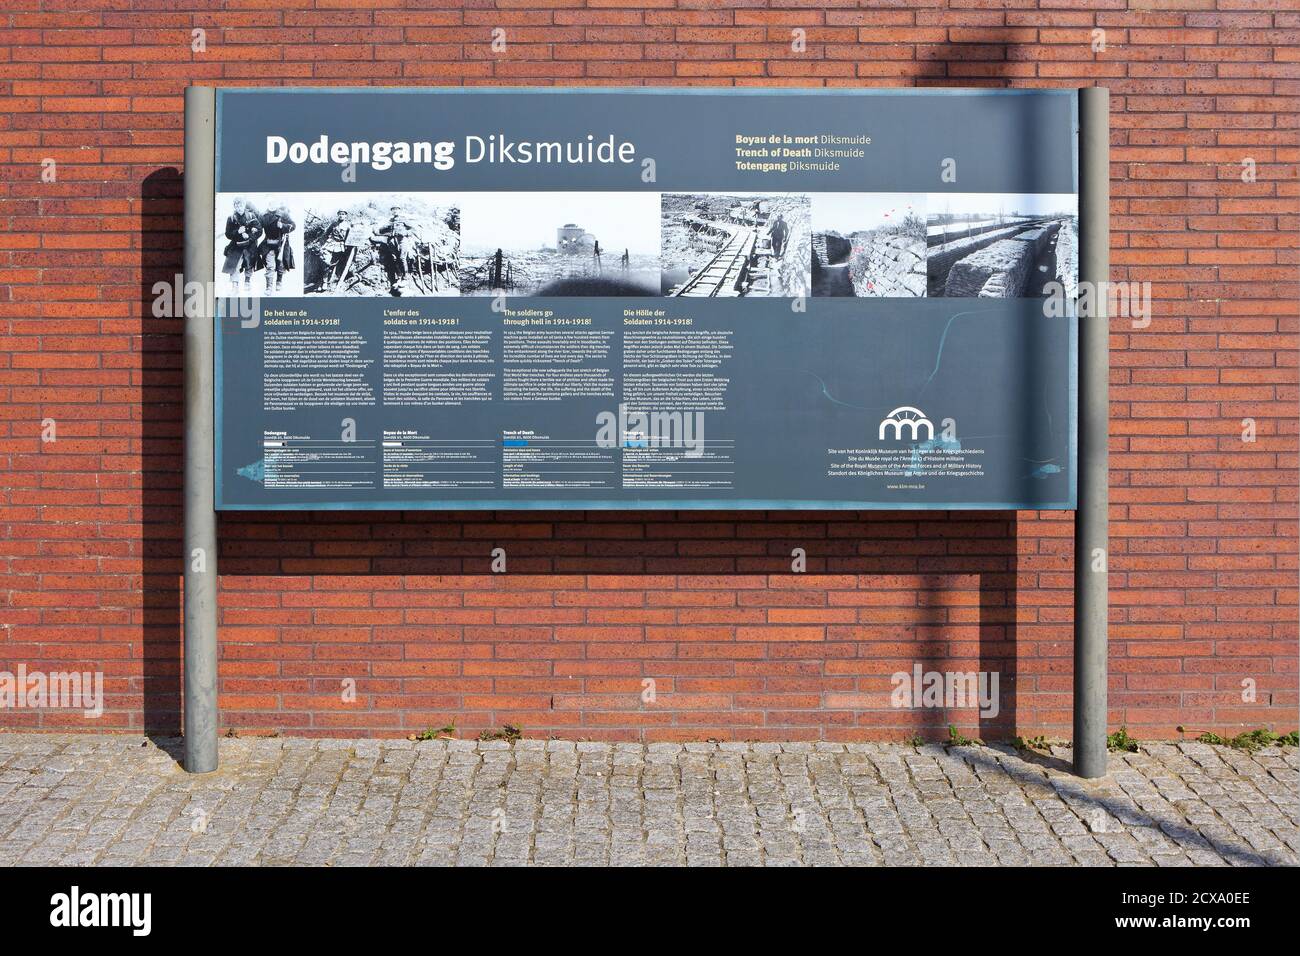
pixel 161 454
pixel 984 63
pixel 689 596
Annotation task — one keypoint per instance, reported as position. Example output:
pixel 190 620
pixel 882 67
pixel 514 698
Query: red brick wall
pixel 1203 553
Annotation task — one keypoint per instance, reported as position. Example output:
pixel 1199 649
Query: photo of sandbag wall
pixel 1001 246
pixel 869 245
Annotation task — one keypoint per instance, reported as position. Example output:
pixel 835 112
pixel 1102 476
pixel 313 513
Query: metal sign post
pixel 200 517
pixel 1091 539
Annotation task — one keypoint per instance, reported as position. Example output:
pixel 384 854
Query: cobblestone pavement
pixel 83 800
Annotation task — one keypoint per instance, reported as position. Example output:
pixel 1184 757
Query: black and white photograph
pixel 1001 245
pixel 560 244
pixel 869 245
pixel 722 245
pixel 258 248
pixel 381 244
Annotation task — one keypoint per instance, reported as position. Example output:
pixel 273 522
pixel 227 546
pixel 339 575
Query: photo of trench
pixel 1002 246
pixel 717 245
pixel 869 245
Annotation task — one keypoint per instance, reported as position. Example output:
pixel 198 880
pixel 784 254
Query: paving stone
pixel 116 800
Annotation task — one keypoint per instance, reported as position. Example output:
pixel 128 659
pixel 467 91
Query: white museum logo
pixel 906 418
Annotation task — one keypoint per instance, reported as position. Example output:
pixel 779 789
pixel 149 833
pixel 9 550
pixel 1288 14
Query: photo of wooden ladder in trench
pixel 742 265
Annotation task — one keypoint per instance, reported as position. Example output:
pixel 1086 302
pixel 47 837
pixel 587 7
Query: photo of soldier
pixel 258 234
pixel 380 244
pixel 243 227
pixel 778 232
pixel 398 242
pixel 338 249
pixel 275 255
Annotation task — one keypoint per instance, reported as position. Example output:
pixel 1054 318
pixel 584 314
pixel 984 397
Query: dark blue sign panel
pixel 646 299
